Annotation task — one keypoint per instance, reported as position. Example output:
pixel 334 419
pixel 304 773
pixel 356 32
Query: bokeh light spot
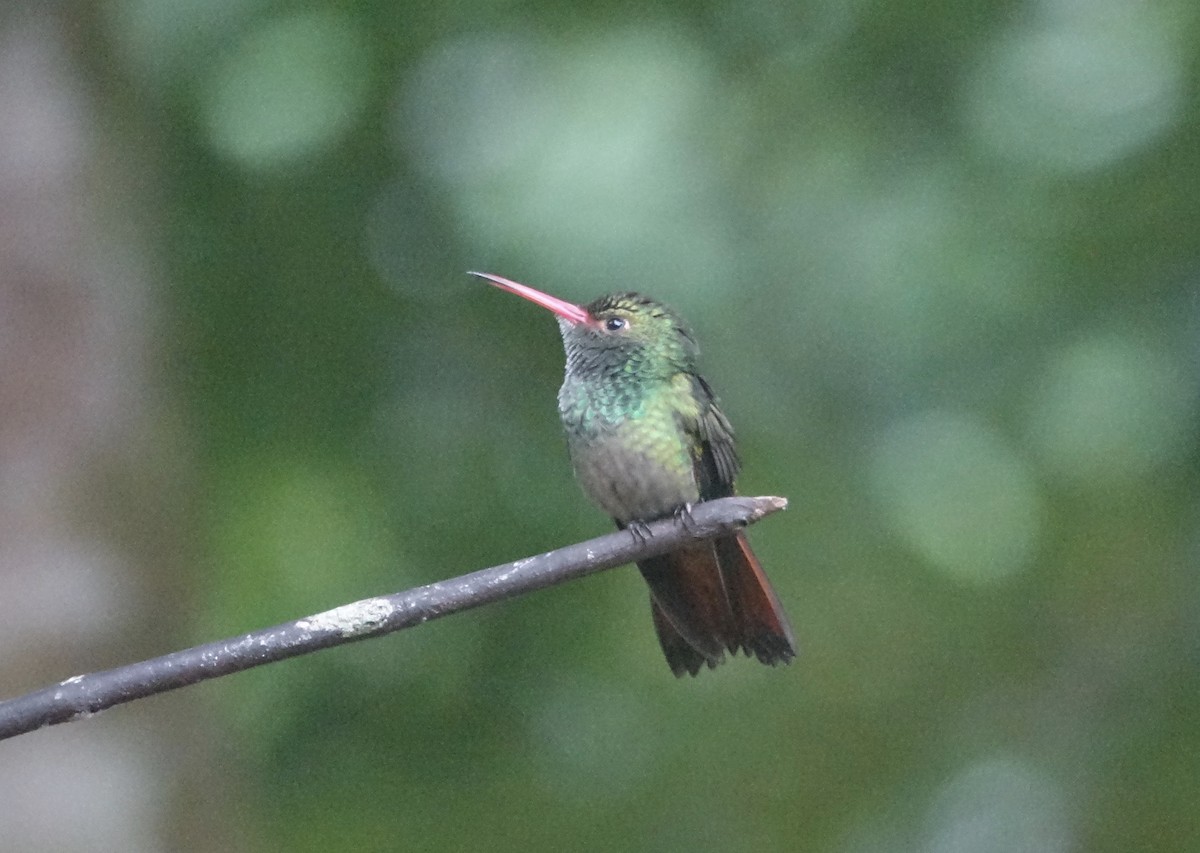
pixel 287 90
pixel 587 159
pixel 1111 408
pixel 1000 805
pixel 921 280
pixel 1075 96
pixel 956 493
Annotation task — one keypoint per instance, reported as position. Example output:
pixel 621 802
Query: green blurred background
pixel 943 260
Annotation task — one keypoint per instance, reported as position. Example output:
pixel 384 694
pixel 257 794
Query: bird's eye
pixel 615 324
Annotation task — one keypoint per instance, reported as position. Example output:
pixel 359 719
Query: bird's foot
pixel 683 515
pixel 640 530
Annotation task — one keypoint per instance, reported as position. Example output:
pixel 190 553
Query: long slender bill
pixel 569 311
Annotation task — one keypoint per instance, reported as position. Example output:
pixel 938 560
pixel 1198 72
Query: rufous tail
pixel 708 597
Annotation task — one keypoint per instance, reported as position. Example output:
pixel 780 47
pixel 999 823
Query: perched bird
pixel 647 439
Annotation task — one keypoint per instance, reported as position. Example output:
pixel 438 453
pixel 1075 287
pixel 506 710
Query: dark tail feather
pixel 712 596
pixel 681 657
pixel 692 612
pixel 763 628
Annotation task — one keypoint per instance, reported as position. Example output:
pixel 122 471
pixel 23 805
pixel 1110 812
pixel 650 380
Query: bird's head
pixel 624 332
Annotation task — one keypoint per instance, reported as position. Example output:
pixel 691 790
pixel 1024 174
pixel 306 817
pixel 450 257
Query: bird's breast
pixel 636 465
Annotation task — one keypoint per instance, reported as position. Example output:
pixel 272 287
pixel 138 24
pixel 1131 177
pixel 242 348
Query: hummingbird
pixel 647 439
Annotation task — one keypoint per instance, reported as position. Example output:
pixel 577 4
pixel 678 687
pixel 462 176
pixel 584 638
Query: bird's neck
pixel 593 400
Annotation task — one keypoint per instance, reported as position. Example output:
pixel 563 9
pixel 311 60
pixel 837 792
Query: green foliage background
pixel 943 260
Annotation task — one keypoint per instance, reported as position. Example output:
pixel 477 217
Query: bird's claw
pixel 684 516
pixel 640 530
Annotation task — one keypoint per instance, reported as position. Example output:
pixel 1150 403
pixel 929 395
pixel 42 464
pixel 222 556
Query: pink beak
pixel 569 311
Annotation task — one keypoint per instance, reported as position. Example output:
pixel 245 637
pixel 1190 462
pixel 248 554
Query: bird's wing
pixel 716 462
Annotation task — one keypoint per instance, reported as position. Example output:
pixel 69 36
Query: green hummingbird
pixel 647 439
